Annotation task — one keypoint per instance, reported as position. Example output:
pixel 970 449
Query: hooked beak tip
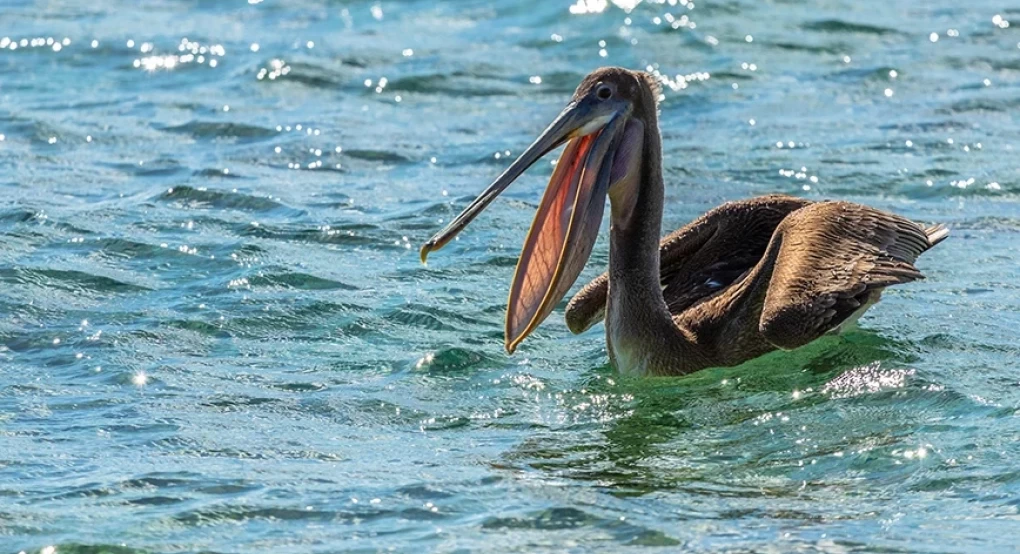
pixel 430 246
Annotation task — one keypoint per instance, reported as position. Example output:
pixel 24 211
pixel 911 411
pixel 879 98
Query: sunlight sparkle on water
pixel 588 6
pixel 277 68
pixel 920 453
pixel 866 379
pixel 425 360
pixel 191 52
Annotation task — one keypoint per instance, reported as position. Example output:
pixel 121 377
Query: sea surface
pixel 216 335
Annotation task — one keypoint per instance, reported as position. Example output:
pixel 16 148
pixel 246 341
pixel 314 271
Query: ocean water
pixel 216 335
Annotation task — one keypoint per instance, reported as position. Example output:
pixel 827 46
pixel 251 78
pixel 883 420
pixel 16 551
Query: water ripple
pixel 216 335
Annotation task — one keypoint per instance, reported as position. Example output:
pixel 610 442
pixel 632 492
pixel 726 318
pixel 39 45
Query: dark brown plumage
pixel 770 272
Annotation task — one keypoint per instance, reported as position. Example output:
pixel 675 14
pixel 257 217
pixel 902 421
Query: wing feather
pixel 699 259
pixel 831 258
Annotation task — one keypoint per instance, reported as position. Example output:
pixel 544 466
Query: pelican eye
pixel 604 92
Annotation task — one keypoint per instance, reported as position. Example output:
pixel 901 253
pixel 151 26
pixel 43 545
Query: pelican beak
pixel 568 218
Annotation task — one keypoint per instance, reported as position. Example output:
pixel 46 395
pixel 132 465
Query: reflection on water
pixel 216 334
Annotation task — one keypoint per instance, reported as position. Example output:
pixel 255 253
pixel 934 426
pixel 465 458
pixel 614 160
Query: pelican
pixel 745 279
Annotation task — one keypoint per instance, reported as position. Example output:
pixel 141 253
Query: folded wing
pixel 701 258
pixel 829 259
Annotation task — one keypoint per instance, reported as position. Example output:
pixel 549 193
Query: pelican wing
pixel 701 258
pixel 830 258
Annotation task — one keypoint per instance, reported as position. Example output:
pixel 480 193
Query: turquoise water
pixel 216 336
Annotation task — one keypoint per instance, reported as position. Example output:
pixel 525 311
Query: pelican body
pixel 747 278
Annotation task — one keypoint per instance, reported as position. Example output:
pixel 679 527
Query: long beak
pixel 567 221
pixel 572 122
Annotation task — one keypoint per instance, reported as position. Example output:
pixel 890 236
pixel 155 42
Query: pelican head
pixel 603 127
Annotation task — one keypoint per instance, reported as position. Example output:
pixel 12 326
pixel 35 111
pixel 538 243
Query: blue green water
pixel 216 336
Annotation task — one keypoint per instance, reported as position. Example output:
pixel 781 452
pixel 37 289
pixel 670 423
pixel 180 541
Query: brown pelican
pixel 744 279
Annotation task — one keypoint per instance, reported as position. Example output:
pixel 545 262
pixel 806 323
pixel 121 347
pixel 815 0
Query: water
pixel 216 336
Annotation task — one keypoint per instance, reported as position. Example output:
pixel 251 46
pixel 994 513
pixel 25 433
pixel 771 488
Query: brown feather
pixel 772 272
